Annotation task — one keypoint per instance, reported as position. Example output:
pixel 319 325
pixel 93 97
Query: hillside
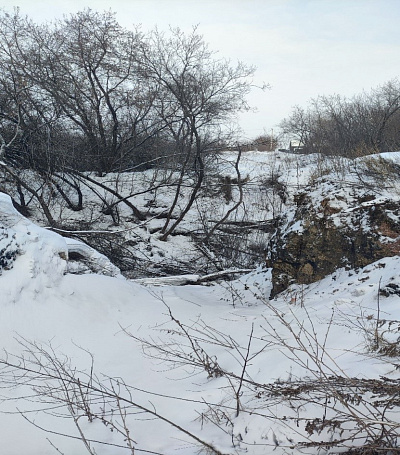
pixel 286 358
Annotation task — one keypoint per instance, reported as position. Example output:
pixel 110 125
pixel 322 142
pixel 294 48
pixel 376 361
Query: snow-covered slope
pixel 219 368
pixel 37 256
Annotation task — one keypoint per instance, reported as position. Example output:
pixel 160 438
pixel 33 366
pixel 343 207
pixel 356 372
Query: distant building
pixel 296 146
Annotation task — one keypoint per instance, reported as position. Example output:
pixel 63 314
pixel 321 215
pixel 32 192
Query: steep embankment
pixel 349 222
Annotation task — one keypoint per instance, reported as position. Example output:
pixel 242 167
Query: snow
pixel 46 308
pixel 392 156
pixel 97 262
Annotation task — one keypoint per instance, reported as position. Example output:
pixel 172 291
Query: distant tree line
pixel 336 125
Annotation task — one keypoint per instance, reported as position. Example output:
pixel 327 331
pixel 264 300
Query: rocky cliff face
pixel 333 225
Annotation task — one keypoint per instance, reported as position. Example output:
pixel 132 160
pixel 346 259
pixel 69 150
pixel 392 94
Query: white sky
pixel 302 48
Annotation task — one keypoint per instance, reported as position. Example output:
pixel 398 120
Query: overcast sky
pixel 302 48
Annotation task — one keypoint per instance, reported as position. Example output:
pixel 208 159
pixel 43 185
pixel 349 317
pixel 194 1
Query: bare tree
pixel 198 94
pixel 335 125
pixel 84 94
pixel 85 68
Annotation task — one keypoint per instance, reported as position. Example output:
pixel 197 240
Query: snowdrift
pixel 100 364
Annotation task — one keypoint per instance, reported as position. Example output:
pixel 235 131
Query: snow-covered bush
pixel 9 249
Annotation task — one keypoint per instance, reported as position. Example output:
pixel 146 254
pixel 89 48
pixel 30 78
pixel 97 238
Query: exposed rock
pixel 390 289
pixel 323 235
pixel 9 249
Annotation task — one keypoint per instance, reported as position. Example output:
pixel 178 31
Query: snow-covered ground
pixel 189 368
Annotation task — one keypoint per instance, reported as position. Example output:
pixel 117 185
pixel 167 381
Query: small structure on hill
pixel 296 146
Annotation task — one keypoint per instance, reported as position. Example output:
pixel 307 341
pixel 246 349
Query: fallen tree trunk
pixel 184 280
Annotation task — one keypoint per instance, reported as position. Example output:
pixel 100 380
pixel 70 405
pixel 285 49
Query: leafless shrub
pixel 379 172
pixel 81 395
pixel 349 413
pixel 322 408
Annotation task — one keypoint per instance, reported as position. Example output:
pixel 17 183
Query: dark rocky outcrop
pixel 320 236
pixel 9 249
